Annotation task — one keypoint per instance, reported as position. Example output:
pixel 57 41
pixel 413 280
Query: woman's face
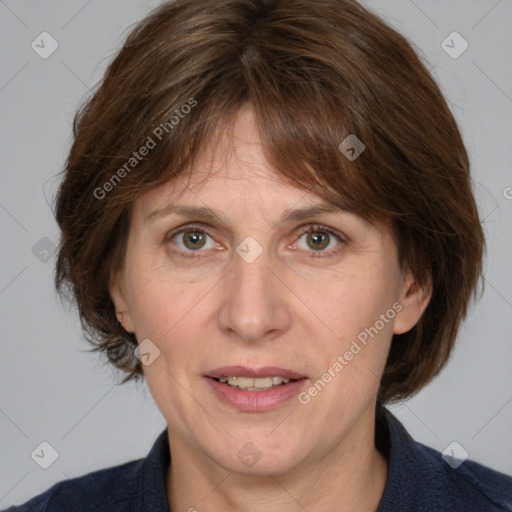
pixel 223 273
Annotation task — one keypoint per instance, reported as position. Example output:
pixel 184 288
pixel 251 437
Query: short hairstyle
pixel 315 73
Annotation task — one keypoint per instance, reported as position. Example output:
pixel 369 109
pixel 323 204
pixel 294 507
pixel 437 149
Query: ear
pixel 119 298
pixel 414 299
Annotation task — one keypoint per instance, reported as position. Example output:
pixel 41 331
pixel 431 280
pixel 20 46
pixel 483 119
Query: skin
pixel 287 309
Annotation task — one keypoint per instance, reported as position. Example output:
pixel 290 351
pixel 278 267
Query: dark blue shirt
pixel 419 480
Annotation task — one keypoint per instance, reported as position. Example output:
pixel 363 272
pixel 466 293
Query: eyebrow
pixel 205 213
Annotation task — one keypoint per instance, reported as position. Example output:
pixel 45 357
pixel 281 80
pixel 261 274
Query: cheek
pixel 151 292
pixel 350 301
pixel 356 312
pixel 150 308
pixel 169 312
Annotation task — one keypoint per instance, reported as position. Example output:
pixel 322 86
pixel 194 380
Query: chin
pixel 255 455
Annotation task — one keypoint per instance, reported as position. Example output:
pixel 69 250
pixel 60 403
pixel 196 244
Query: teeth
pixel 260 383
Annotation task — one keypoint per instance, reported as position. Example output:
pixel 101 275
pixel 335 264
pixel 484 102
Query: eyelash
pixel 312 228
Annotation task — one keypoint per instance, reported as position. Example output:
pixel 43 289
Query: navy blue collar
pixel 153 497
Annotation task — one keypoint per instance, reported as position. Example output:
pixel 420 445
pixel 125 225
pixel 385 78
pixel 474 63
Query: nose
pixel 255 302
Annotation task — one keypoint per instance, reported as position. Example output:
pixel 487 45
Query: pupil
pixel 194 240
pixel 316 238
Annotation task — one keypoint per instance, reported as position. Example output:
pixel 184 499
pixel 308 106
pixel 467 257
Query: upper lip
pixel 244 371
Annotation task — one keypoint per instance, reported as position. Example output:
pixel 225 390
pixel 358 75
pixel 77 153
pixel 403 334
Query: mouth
pixel 255 389
pixel 251 384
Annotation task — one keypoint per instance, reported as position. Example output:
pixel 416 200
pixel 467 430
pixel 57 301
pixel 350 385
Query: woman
pixel 267 214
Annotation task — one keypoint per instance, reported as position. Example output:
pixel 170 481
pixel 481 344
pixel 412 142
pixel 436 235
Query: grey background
pixel 53 390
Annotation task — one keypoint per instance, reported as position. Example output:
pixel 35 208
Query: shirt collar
pixel 153 497
pixel 405 461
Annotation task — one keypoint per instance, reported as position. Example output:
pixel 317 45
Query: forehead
pixel 231 169
pixel 232 189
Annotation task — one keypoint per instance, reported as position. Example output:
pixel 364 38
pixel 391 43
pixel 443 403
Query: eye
pixel 319 239
pixel 190 240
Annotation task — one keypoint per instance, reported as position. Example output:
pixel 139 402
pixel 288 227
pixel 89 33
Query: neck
pixel 350 477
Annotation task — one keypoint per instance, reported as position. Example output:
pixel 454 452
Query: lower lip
pixel 255 401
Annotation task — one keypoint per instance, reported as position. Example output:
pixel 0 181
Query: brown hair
pixel 314 72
